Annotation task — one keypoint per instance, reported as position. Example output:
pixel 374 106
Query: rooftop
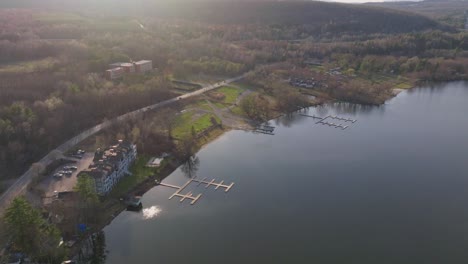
pixel 115 69
pixel 142 62
pixel 107 160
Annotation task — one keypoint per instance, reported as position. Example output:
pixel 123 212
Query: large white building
pixel 121 68
pixel 114 73
pixel 110 165
pixel 143 66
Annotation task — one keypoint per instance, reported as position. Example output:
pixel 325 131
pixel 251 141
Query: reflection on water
pixel 337 108
pixel 94 249
pixel 190 166
pixel 151 212
pixel 353 109
pixel 390 189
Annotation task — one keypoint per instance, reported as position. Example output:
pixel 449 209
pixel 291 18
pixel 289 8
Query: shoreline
pixel 116 207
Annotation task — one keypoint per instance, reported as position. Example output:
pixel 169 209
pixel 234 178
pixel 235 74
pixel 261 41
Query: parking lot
pixel 54 183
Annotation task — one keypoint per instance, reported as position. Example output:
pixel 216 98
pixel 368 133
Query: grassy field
pixel 64 17
pixel 184 122
pixel 28 66
pixel 404 85
pixel 139 174
pixel 202 104
pixel 317 68
pixel 237 111
pixel 230 93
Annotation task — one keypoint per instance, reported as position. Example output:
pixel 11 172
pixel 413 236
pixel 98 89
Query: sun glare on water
pixel 151 212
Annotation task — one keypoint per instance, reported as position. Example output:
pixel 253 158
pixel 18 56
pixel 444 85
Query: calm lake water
pixel 392 188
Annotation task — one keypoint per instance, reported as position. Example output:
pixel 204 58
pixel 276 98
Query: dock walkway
pixel 189 195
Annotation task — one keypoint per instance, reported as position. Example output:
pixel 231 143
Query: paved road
pixel 21 184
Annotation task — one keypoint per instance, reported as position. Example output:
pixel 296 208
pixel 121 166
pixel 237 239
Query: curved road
pixel 21 184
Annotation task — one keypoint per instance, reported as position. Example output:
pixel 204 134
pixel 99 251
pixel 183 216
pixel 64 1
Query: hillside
pixel 331 17
pixel 451 12
pixel 318 17
pixel 428 7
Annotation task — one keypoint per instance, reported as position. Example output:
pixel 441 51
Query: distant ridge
pixel 334 18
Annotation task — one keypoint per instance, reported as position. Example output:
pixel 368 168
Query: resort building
pixel 127 67
pixel 114 73
pixel 110 165
pixel 143 66
pixel 121 68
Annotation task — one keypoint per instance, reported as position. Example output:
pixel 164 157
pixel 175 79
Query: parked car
pixel 67 172
pixel 58 175
pixel 78 156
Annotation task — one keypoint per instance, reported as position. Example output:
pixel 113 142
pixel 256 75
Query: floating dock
pixel 212 182
pixel 265 129
pixel 313 116
pixel 343 119
pixel 323 122
pixel 189 195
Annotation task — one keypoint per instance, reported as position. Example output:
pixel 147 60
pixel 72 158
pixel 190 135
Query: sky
pixel 365 1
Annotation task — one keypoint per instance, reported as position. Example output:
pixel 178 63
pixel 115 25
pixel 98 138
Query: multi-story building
pixel 127 67
pixel 110 165
pixel 121 68
pixel 143 66
pixel 114 73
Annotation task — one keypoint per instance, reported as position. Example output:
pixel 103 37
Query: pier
pixel 313 116
pixel 212 182
pixel 265 129
pixel 323 122
pixel 343 119
pixel 189 195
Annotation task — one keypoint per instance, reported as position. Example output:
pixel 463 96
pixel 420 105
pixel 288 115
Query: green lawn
pixel 404 85
pixel 230 95
pixel 184 122
pixel 237 111
pixel 316 68
pixel 28 66
pixel 63 17
pixel 202 104
pixel 139 174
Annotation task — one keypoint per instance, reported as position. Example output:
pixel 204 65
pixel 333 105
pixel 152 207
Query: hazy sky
pixel 365 1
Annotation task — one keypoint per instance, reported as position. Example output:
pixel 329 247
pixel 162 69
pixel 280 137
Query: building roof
pixel 114 69
pixel 106 161
pixel 142 62
pixel 116 64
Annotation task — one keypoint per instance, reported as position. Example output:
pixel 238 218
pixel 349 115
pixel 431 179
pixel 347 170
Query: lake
pixel 392 188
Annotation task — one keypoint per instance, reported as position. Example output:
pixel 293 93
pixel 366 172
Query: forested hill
pixel 330 17
pixel 317 16
pixel 447 11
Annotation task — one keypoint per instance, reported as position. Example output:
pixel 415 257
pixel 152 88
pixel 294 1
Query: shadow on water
pixel 337 108
pixel 94 250
pixel 344 108
pixel 190 166
pixel 290 119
